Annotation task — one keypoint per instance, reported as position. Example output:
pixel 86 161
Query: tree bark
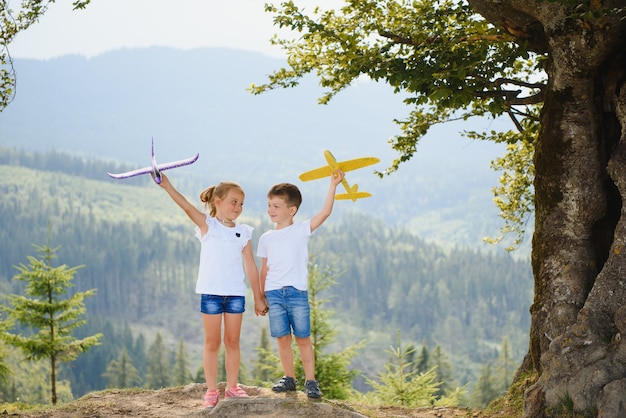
pixel 576 359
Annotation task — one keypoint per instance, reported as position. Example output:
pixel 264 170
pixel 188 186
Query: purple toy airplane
pixel 155 170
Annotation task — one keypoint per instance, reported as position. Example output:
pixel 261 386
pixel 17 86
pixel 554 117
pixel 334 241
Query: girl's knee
pixel 211 344
pixel 231 343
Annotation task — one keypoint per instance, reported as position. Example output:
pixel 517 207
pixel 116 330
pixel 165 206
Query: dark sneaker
pixel 285 384
pixel 312 389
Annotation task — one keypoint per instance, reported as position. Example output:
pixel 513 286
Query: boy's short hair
pixel 288 192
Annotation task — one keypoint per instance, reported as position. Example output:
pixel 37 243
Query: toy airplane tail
pixel 155 173
pixel 353 194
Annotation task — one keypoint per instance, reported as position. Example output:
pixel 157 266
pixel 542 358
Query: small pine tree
pixel 7 384
pixel 139 356
pixel 29 382
pixel 397 385
pixel 182 376
pixel 403 384
pixel 158 375
pixel 5 372
pixel 121 373
pixel 52 316
pixel 422 363
pixel 485 390
pixel 265 367
pixel 410 359
pixel 331 370
pixel 505 367
pixel 221 366
pixel 199 377
pixel 244 379
pixel 443 370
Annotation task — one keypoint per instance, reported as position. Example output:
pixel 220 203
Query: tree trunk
pixel 576 359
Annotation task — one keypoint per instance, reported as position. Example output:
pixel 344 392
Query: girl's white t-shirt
pixel 287 253
pixel 221 269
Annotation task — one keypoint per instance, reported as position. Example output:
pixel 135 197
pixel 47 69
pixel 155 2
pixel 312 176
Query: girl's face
pixel 279 211
pixel 229 208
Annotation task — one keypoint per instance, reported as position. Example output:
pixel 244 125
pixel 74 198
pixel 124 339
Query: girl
pixel 223 246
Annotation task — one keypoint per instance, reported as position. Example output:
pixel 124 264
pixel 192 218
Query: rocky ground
pixel 187 401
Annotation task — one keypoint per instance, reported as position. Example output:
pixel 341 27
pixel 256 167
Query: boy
pixel 284 279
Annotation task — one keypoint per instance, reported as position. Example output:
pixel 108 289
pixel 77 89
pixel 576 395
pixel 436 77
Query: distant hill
pixel 138 251
pixel 110 106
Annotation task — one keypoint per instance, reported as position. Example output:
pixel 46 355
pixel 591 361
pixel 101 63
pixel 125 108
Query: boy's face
pixel 279 211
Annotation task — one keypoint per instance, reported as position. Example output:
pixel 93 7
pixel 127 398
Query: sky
pixel 107 25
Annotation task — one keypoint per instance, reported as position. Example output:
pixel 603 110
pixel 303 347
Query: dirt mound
pixel 187 402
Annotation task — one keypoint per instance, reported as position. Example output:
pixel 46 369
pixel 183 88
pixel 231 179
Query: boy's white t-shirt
pixel 287 253
pixel 221 262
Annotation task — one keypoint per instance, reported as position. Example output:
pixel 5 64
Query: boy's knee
pixel 304 344
pixel 303 341
pixel 285 339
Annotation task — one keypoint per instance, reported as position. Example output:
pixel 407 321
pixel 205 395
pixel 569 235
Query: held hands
pixel 260 307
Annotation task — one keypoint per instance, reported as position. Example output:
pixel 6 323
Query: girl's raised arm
pixel 196 216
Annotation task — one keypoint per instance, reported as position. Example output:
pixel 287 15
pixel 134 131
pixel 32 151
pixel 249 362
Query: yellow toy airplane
pixel 352 191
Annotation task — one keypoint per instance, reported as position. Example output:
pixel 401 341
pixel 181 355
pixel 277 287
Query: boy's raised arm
pixel 327 209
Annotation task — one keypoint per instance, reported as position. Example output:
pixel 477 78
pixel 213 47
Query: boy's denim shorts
pixel 289 311
pixel 216 304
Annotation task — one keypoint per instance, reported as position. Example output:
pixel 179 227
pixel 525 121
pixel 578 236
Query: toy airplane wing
pixel 179 163
pixel 352 192
pixel 160 167
pixel 344 166
pixel 155 169
pixel 145 170
pixel 318 173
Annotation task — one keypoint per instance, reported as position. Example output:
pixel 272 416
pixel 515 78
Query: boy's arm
pixel 327 209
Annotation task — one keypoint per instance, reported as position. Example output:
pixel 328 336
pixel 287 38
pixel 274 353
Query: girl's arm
pixel 253 277
pixel 327 209
pixel 192 212
pixel 263 275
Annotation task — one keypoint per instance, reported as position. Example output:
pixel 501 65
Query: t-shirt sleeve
pixel 197 229
pixel 247 232
pixel 306 225
pixel 261 251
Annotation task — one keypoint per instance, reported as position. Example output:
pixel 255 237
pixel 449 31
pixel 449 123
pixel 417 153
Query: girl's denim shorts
pixel 216 304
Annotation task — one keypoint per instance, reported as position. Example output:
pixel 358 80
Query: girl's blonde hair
pixel 221 190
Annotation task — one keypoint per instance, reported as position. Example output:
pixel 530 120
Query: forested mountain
pixel 111 105
pixel 139 252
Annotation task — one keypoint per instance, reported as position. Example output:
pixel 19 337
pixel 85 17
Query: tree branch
pixel 408 41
